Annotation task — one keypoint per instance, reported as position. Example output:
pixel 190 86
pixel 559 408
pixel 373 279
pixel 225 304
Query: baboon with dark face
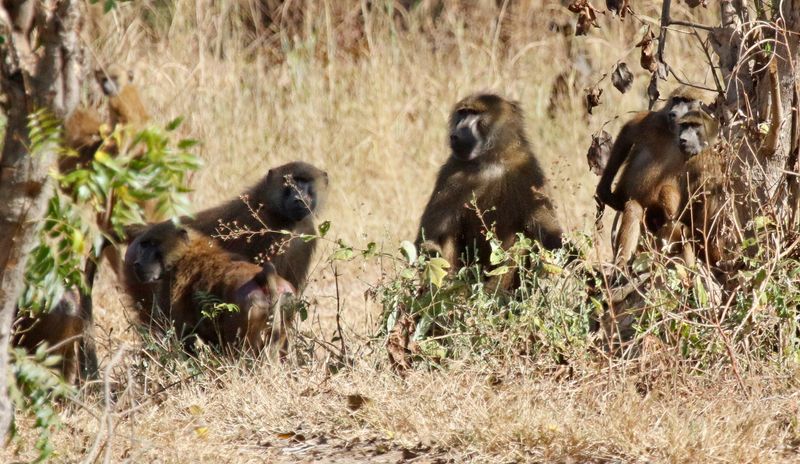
pixel 492 162
pixel 650 179
pixel 286 199
pixel 183 276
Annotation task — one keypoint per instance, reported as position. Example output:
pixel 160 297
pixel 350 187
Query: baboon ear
pixel 130 232
pixel 130 75
pixel 183 233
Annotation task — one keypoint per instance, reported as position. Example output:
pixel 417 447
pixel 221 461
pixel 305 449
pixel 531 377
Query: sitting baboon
pixel 181 275
pixel 61 328
pixel 650 179
pixel 701 184
pixel 124 104
pixel 267 221
pixel 492 163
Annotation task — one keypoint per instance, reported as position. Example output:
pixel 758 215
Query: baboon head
pixel 696 132
pixel 681 101
pixel 295 190
pixel 153 253
pixel 481 122
pixel 113 78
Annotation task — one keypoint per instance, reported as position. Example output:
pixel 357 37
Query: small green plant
pixel 466 314
pixel 34 390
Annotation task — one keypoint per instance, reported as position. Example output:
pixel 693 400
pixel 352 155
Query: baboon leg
pixel 629 231
pixel 70 364
pixel 669 198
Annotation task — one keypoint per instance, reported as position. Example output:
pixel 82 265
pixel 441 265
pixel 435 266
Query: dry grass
pixel 376 123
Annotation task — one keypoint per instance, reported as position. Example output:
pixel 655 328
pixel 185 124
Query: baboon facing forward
pixel 492 163
pixel 650 179
pixel 279 207
pixel 189 280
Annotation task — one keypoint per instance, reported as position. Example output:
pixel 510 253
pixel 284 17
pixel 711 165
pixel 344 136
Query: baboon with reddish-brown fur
pixel 185 276
pixel 61 328
pixel 650 179
pixel 492 162
pixel 286 199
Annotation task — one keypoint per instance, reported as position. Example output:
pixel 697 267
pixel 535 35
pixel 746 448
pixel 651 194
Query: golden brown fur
pixel 701 183
pixel 124 104
pixel 184 274
pixel 650 179
pixel 491 161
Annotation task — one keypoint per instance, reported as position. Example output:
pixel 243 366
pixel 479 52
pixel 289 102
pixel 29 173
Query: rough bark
pixel 41 75
pixel 758 93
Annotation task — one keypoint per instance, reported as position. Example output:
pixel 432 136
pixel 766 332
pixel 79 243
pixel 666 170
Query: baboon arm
pixel 619 153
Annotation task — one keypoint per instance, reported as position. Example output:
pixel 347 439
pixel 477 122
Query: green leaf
pixel 700 293
pixel 372 250
pixel 172 125
pixel 324 228
pixel 343 253
pixel 498 254
pixel 500 270
pixel 435 271
pixel 409 251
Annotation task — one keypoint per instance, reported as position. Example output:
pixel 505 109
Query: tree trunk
pixel 753 92
pixel 48 78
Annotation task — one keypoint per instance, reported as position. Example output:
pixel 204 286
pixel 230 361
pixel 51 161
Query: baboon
pixel 492 163
pixel 124 104
pixel 185 276
pixel 286 199
pixel 649 180
pixel 81 134
pixel 82 127
pixel 701 183
pixel 61 328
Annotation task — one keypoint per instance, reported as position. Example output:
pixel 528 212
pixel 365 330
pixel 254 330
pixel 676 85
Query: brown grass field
pixel 368 102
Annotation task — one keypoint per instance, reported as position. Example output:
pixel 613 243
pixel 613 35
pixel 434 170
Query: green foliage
pixel 55 263
pixel 34 388
pixel 211 306
pixel 464 315
pixel 148 167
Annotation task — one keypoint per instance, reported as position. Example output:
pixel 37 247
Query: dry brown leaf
pixel 647 44
pixel 599 152
pixel 587 16
pixel 652 89
pixel 622 77
pixel 593 98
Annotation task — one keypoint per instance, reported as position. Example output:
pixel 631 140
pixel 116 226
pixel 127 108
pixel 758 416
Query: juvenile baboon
pixel 61 328
pixel 124 104
pixel 191 279
pixel 650 179
pixel 492 163
pixel 701 182
pixel 286 199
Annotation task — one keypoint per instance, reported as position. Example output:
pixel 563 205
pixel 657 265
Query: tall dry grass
pixel 371 110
